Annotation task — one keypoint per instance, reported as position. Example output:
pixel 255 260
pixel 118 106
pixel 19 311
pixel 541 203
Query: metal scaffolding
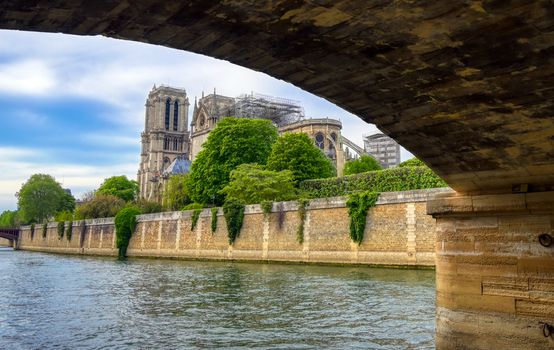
pixel 279 110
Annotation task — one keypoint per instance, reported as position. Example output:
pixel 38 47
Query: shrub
pixel 251 183
pixel 214 219
pixel 358 205
pixel 32 231
pixel 101 206
pixel 233 211
pixel 194 218
pixel 44 229
pixel 362 165
pixel 64 215
pixel 61 228
pixel 411 163
pixel 125 223
pixel 302 204
pixel 395 179
pixel 193 206
pixel 147 207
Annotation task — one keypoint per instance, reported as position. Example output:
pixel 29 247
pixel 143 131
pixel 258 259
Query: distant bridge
pixel 11 234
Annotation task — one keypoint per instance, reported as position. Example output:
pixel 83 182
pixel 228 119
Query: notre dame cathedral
pixel 165 140
pixel 169 146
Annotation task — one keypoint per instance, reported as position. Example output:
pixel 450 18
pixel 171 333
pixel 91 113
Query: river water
pixel 70 302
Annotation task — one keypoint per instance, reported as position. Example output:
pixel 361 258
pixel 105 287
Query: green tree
pixel 101 206
pixel 9 218
pixel 176 194
pixel 411 162
pixel 296 152
pixel 40 198
pixel 251 183
pixel 119 186
pixel 234 141
pixel 364 164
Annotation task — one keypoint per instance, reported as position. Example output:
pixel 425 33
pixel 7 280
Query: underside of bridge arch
pixel 467 86
pixel 464 85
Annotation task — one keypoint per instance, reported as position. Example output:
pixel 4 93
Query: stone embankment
pixel 398 232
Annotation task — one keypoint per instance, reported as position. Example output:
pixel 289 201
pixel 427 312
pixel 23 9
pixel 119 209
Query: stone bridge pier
pixel 494 270
pixel 465 85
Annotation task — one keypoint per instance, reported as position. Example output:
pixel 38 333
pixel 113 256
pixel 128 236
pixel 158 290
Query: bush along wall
pixel 302 205
pixel 214 218
pixel 61 229
pixel 358 205
pixel 395 179
pixel 125 223
pixel 233 211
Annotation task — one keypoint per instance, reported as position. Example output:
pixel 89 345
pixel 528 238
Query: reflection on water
pixel 68 302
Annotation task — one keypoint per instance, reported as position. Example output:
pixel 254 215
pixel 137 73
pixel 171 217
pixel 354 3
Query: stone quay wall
pixel 398 232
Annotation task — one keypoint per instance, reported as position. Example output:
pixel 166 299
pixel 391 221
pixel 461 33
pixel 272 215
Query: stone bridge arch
pixel 463 85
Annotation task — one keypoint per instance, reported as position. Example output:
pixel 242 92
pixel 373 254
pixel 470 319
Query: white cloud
pixel 28 77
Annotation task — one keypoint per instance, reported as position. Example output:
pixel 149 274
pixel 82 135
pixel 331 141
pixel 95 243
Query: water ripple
pixel 65 302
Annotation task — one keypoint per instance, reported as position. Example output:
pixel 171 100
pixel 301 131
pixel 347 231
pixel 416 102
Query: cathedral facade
pixel 168 147
pixel 165 140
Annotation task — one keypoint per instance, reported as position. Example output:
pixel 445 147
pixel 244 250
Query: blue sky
pixel 73 107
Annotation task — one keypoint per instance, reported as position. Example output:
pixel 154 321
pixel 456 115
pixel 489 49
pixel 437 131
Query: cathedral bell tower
pixel 165 138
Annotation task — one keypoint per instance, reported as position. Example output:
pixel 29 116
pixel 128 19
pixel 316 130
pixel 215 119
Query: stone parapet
pixel 398 232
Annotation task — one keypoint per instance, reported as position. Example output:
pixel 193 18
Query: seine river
pixel 68 302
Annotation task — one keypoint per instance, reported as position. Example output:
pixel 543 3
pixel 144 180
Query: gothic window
pixel 175 115
pixel 167 107
pixel 202 121
pixel 166 162
pixel 166 143
pixel 334 137
pixel 175 144
pixel 320 140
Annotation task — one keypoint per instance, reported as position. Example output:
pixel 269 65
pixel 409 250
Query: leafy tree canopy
pixel 251 183
pixel 296 152
pixel 9 218
pixel 234 141
pixel 119 186
pixel 41 197
pixel 101 206
pixel 364 164
pixel 411 162
pixel 176 194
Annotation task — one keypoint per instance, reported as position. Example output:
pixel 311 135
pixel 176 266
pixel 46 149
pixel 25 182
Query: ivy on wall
pixel 194 218
pixel 395 179
pixel 32 231
pixel 61 229
pixel 44 229
pixel 69 230
pixel 233 211
pixel 267 206
pixel 302 205
pixel 358 205
pixel 125 224
pixel 214 219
